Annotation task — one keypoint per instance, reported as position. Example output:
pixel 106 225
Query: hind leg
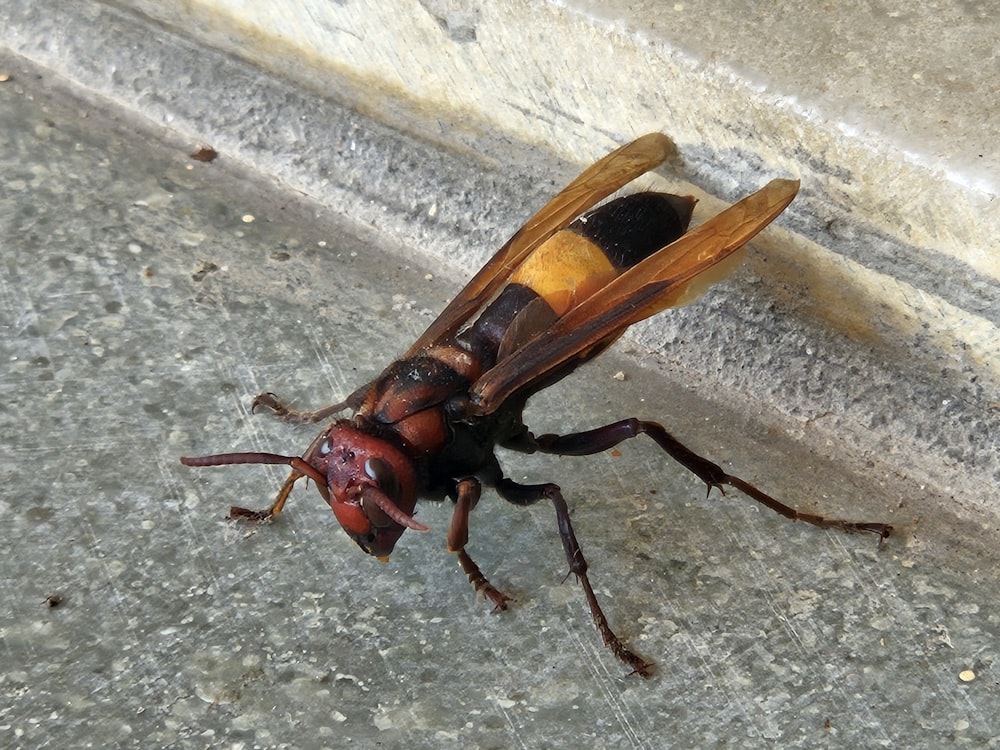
pixel 608 436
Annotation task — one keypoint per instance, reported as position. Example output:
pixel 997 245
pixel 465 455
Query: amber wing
pixel 643 290
pixel 597 182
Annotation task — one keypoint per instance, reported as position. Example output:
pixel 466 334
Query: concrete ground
pixel 147 297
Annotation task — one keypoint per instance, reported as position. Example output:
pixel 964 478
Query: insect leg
pixel 528 494
pixel 285 414
pixel 275 508
pixel 602 438
pixel 468 492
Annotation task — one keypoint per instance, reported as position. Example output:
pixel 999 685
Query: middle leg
pixel 528 494
pixel 467 492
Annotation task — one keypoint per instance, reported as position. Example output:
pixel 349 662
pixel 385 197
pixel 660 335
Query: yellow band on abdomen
pixel 565 270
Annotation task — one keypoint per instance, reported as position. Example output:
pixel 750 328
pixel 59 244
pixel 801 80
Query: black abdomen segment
pixel 633 227
pixel 573 264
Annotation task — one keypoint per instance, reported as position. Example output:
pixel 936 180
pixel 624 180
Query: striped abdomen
pixel 574 264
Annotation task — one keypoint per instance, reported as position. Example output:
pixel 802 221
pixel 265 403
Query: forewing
pixel 643 290
pixel 597 182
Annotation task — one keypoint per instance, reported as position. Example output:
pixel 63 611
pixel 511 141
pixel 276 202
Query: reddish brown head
pixel 369 483
pixel 371 486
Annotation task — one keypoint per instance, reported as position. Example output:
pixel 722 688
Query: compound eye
pixel 381 471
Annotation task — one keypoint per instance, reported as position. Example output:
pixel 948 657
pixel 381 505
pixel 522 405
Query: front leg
pixel 236 512
pixel 286 414
pixel 467 492
pixel 608 436
pixel 527 494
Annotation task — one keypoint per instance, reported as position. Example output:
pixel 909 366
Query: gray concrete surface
pixel 829 318
pixel 884 109
pixel 885 112
pixel 142 309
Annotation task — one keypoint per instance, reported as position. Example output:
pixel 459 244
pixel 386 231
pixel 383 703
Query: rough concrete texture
pixel 147 297
pixel 883 111
pixel 884 108
pixel 829 320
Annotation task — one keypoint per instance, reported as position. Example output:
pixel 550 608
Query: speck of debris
pixel 204 268
pixel 205 153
